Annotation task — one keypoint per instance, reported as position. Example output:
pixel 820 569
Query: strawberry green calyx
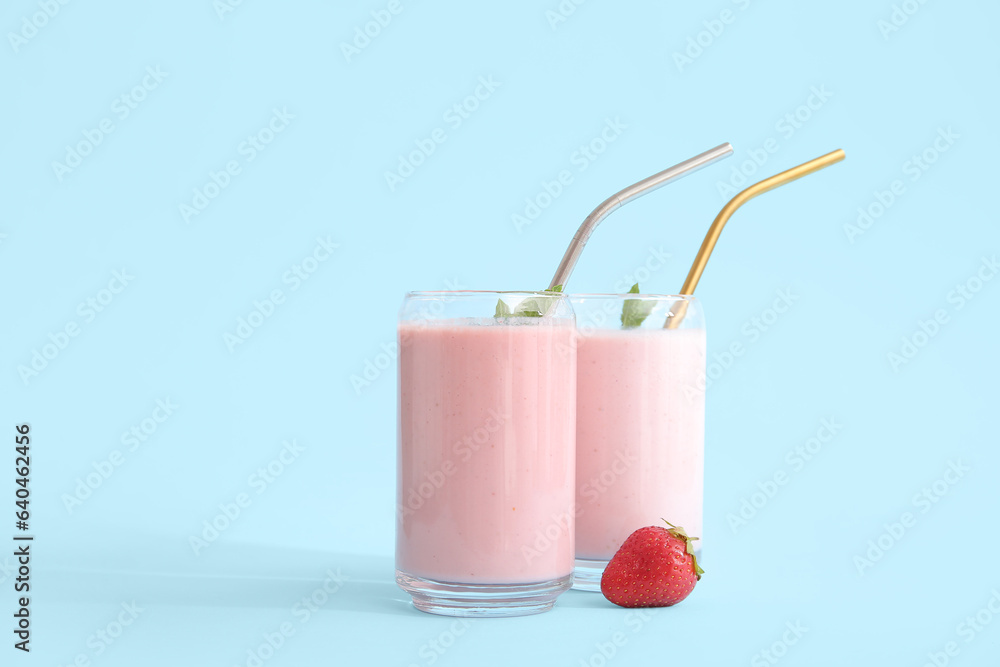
pixel 677 531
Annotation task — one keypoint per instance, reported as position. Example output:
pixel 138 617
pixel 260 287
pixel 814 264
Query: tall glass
pixel 486 452
pixel 640 423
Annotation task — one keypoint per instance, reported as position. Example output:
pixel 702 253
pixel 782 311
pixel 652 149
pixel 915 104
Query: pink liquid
pixel 487 419
pixel 640 438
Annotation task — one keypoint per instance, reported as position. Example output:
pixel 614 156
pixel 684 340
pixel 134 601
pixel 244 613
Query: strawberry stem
pixel 677 531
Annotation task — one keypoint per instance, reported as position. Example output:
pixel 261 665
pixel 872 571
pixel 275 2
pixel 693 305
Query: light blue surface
pixel 336 127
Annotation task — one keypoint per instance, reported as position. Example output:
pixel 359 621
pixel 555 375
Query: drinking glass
pixel 640 423
pixel 486 451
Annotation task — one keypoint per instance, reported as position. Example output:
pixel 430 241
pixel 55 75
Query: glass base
pixel 482 600
pixel 587 574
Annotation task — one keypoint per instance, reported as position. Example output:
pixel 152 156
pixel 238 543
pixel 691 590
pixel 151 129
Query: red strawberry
pixel 655 567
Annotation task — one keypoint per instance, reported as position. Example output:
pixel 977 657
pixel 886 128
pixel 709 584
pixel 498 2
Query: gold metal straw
pixel 701 259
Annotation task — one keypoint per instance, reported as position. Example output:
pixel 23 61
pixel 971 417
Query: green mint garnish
pixel 534 307
pixel 529 308
pixel 635 311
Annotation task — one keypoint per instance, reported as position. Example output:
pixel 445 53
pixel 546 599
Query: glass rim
pixel 643 297
pixel 469 292
pixel 546 293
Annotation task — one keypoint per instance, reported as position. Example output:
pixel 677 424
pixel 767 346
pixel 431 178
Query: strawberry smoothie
pixel 640 438
pixel 486 459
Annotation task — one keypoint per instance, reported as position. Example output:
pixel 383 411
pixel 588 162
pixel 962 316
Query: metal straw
pixel 701 259
pixel 616 201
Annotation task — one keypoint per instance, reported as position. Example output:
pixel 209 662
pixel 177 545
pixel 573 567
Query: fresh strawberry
pixel 655 567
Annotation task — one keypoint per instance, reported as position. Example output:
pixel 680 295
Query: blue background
pixel 888 95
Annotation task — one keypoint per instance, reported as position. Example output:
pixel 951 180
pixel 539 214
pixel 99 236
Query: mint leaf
pixel 534 307
pixel 635 311
pixel 528 309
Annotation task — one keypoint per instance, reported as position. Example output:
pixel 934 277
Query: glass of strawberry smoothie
pixel 486 451
pixel 640 424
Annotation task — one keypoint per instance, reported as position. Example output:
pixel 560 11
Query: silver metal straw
pixel 634 191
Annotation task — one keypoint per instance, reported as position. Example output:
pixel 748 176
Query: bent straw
pixel 619 199
pixel 677 311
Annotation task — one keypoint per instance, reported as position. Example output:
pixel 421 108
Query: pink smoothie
pixel 487 425
pixel 640 438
